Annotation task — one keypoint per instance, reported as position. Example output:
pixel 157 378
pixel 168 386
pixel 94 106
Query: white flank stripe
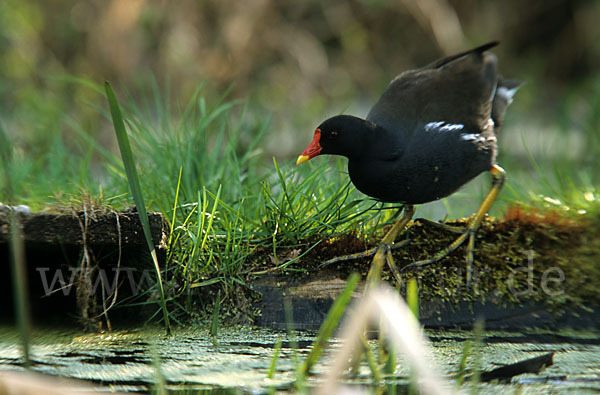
pixel 443 126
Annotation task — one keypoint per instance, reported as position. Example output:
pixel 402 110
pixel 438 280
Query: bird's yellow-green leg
pixel 499 176
pixel 383 254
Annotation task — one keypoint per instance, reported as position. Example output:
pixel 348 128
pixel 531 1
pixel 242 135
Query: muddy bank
pixel 531 268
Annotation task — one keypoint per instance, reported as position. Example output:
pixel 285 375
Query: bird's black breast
pixel 437 161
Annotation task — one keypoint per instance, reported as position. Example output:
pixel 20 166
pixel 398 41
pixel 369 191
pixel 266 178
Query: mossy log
pixel 91 227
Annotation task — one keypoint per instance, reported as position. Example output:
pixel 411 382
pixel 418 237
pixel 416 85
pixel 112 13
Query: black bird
pixel 430 132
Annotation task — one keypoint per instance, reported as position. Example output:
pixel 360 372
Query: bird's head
pixel 339 135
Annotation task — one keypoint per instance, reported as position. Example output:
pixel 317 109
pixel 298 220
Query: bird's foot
pixel 358 255
pixel 441 225
pixel 383 254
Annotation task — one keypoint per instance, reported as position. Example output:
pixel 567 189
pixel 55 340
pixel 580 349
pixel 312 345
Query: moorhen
pixel 431 131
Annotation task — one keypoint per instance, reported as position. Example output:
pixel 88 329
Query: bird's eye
pixel 334 133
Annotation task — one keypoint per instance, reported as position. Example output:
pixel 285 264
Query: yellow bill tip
pixel 302 159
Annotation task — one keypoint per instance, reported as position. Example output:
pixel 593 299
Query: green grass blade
pixel 17 255
pixel 212 281
pixel 20 286
pixel 210 219
pixel 475 378
pixel 160 384
pixel 285 189
pixel 412 297
pixel 136 190
pixel 330 323
pixel 462 364
pixel 276 351
pixel 173 219
pixel 5 160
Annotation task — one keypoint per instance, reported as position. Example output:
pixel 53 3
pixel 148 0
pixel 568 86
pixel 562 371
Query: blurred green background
pixel 295 63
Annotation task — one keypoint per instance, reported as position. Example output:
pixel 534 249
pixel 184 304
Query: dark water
pixel 238 362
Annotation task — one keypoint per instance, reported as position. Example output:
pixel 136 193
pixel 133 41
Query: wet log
pixel 311 298
pixel 79 263
pixel 90 227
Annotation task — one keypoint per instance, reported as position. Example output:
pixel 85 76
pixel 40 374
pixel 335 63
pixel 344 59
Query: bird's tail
pixel 505 90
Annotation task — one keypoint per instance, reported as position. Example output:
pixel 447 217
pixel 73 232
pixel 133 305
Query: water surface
pixel 240 357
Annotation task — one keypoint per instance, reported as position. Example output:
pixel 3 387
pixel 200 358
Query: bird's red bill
pixel 313 149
